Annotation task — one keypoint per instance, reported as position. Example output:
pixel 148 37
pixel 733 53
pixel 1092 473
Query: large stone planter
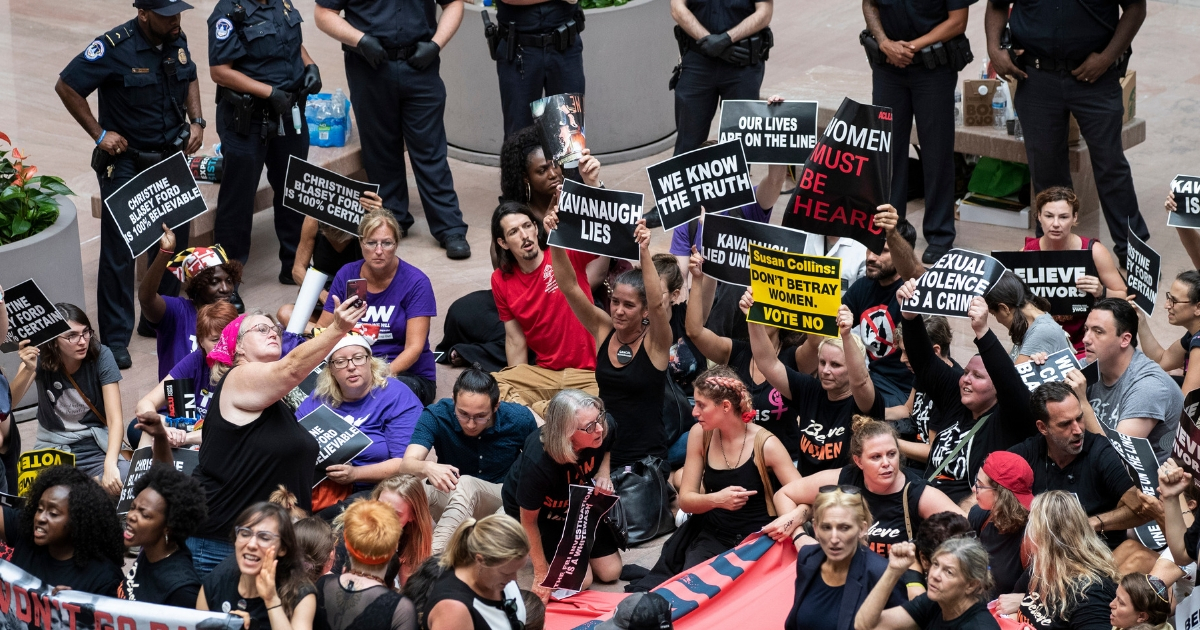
pixel 52 259
pixel 628 54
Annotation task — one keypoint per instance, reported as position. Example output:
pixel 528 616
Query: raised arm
pixel 710 344
pixel 1172 481
pixel 1168 358
pixel 594 319
pixel 153 304
pixel 765 355
pixel 871 615
pixel 861 384
pixel 903 256
pixel 658 339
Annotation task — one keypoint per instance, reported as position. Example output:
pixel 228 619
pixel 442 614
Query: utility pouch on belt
pixel 101 160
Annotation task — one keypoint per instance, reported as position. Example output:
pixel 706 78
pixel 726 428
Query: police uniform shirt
pixel 719 16
pixel 536 18
pixel 906 20
pixel 265 48
pixel 138 98
pixel 395 23
pixel 1064 30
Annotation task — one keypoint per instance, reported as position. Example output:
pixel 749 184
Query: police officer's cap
pixel 165 8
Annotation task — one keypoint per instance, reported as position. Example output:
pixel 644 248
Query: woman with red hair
pixel 360 597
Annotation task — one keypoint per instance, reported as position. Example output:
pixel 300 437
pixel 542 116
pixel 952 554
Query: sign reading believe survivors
pixel 597 221
pixel 164 193
pixel 780 133
pixel 324 195
pixel 1052 275
pixel 714 177
pixel 795 291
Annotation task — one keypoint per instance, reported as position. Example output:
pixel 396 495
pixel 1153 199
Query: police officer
pixel 149 110
pixel 391 50
pixel 256 57
pixel 722 45
pixel 1069 57
pixel 916 48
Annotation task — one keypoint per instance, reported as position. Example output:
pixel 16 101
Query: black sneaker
pixel 456 247
pixel 933 253
pixel 235 299
pixel 121 356
pixel 285 277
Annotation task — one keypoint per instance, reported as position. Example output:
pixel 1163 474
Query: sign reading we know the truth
pixel 795 291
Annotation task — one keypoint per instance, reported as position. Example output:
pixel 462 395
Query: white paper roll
pixel 310 291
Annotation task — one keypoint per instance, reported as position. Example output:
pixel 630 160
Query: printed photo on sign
pixel 1054 369
pixel 714 178
pixel 848 176
pixel 727 240
pixel 165 193
pixel 559 119
pixel 781 133
pixel 1052 275
pixel 142 461
pixel 570 562
pixel 1144 268
pixel 795 291
pixel 338 441
pixel 32 463
pixel 324 195
pixel 1186 189
pixel 948 287
pixel 32 316
pixel 597 221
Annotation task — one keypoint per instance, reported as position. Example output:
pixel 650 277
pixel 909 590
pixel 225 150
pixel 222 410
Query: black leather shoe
pixel 236 300
pixel 933 253
pixel 121 356
pixel 456 247
pixel 285 277
pixel 653 218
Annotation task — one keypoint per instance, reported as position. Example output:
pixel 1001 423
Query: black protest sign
pixel 1142 465
pixel 186 461
pixel 784 133
pixel 727 241
pixel 338 441
pixel 1052 275
pixel 597 221
pixel 848 175
pixel 32 463
pixel 32 316
pixel 306 387
pixel 1186 189
pixel 1186 449
pixel 570 563
pixel 1145 273
pixel 164 193
pixel 326 196
pixel 1054 369
pixel 948 287
pixel 715 177
pixel 181 401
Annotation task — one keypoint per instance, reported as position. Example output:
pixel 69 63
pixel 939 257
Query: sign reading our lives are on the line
pixel 32 316
pixel 1142 465
pixel 948 287
pixel 780 133
pixel 597 221
pixel 1056 368
pixel 1145 273
pixel 1052 275
pixel 164 193
pixel 715 177
pixel 326 196
pixel 795 291
pixel 1186 189
pixel 727 241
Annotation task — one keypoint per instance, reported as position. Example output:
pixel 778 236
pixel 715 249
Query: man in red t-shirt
pixel 537 317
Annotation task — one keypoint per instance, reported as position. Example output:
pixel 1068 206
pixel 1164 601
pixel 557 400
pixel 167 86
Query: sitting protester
pixel 167 507
pixel 959 583
pixel 477 589
pixel 934 531
pixel 1182 301
pixel 315 542
pixel 1026 316
pixel 925 419
pixel 1141 599
pixel 406 497
pixel 361 598
pixel 1003 492
pixel 477 439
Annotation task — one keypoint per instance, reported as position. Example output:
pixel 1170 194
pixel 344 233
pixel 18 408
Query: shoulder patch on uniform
pixel 94 51
pixel 223 29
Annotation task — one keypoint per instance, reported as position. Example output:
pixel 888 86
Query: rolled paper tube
pixel 310 292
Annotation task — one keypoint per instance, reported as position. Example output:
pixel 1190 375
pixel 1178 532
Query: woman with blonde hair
pixel 478 588
pixel 406 495
pixel 361 598
pixel 1003 493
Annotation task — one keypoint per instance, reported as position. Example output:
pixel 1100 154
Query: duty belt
pixel 1047 64
pixel 395 54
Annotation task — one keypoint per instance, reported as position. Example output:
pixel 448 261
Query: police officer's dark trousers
pixel 396 106
pixel 703 82
pixel 534 73
pixel 929 95
pixel 245 155
pixel 1044 103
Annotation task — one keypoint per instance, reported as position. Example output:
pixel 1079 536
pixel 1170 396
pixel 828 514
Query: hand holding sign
pixel 950 286
pixel 977 312
pixel 1184 202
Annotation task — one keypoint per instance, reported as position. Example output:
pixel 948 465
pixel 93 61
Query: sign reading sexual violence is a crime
pixel 597 221
pixel 848 175
pixel 1052 275
pixel 795 291
pixel 1054 369
pixel 783 133
pixel 164 193
pixel 338 441
pixel 1144 267
pixel 324 195
pixel 726 243
pixel 1186 449
pixel 955 279
pixel 715 177
pixel 570 563
pixel 185 461
pixel 1186 189
pixel 32 316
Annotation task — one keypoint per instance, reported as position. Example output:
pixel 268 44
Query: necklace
pixel 737 460
pixel 624 352
pixel 361 574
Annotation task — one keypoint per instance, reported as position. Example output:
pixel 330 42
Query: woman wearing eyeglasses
pixel 79 398
pixel 400 301
pixel 1003 493
pixel 263 582
pixel 1182 302
pixel 1142 600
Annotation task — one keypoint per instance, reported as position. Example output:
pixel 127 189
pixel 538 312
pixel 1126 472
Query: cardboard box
pixel 977 98
pixel 1129 95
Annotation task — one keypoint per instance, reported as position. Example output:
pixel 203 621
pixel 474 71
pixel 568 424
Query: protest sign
pixel 570 563
pixel 1144 267
pixel 795 291
pixel 715 177
pixel 948 287
pixel 306 387
pixel 181 401
pixel 848 175
pixel 1186 189
pixel 559 119
pixel 32 463
pixel 164 193
pixel 324 195
pixel 186 461
pixel 784 133
pixel 597 221
pixel 1138 457
pixel 28 604
pixel 727 241
pixel 338 440
pixel 1187 612
pixel 1186 449
pixel 1052 275
pixel 1054 369
pixel 32 316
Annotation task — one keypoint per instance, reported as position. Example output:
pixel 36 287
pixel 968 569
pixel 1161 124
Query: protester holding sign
pixel 925 418
pixel 477 589
pixel 1182 302
pixel 167 507
pixel 1190 237
pixel 1031 328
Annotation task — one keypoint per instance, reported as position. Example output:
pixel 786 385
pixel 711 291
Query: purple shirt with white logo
pixel 176 333
pixel 386 414
pixel 194 367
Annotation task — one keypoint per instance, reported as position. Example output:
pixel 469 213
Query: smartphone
pixel 357 287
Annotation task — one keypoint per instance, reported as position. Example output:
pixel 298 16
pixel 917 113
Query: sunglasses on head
pixel 843 488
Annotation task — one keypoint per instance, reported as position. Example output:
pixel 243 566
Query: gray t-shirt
pixel 1143 391
pixel 1043 335
pixel 61 408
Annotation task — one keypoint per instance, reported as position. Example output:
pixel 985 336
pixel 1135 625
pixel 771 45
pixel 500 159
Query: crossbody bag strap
pixel 961 445
pixel 86 399
pixel 907 519
pixel 760 440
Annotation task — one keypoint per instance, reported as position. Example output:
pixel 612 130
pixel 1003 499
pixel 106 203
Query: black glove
pixel 737 55
pixel 280 101
pixel 371 50
pixel 312 79
pixel 714 44
pixel 425 55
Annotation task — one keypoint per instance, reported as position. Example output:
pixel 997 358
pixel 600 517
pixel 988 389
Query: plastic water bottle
pixel 958 112
pixel 322 108
pixel 338 104
pixel 999 106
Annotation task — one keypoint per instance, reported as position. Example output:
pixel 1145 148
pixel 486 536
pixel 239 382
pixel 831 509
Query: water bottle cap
pixel 983 90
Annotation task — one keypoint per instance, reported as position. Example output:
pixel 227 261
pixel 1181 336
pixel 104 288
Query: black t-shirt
pixel 98 577
pixel 824 423
pixel 772 411
pixel 1004 550
pixel 171 581
pixel 686 360
pixel 876 312
pixel 537 482
pixel 906 20
pixel 221 593
pixel 926 416
pixel 928 616
pixel 890 525
pixel 1090 613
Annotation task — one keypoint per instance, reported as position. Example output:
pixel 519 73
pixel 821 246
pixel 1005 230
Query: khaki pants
pixel 472 498
pixel 534 386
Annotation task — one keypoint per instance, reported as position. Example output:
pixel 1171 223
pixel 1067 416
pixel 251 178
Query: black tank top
pixel 242 465
pixel 486 614
pixel 888 509
pixel 753 515
pixel 633 394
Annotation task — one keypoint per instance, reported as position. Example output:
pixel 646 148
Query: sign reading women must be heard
pixel 715 177
pixel 795 291
pixel 324 195
pixel 164 193
pixel 948 287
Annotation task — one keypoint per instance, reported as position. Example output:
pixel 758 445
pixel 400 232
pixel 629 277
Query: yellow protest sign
pixel 32 463
pixel 795 291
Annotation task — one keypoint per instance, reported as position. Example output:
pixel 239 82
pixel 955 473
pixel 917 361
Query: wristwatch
pixel 200 121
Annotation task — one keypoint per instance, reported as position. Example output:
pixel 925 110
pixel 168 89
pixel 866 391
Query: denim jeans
pixel 207 553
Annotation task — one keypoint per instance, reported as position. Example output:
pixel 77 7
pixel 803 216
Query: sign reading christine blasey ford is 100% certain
pixel 795 291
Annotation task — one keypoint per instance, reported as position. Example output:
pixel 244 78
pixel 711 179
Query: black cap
pixel 640 611
pixel 165 8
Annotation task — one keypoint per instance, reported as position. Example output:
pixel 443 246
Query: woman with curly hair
pixel 68 534
pixel 361 598
pixel 1003 494
pixel 167 507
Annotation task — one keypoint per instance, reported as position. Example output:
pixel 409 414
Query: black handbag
pixel 677 412
pixel 645 504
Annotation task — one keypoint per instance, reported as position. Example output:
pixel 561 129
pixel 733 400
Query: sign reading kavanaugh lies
pixel 714 177
pixel 597 221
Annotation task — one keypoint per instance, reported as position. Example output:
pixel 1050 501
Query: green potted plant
pixel 27 200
